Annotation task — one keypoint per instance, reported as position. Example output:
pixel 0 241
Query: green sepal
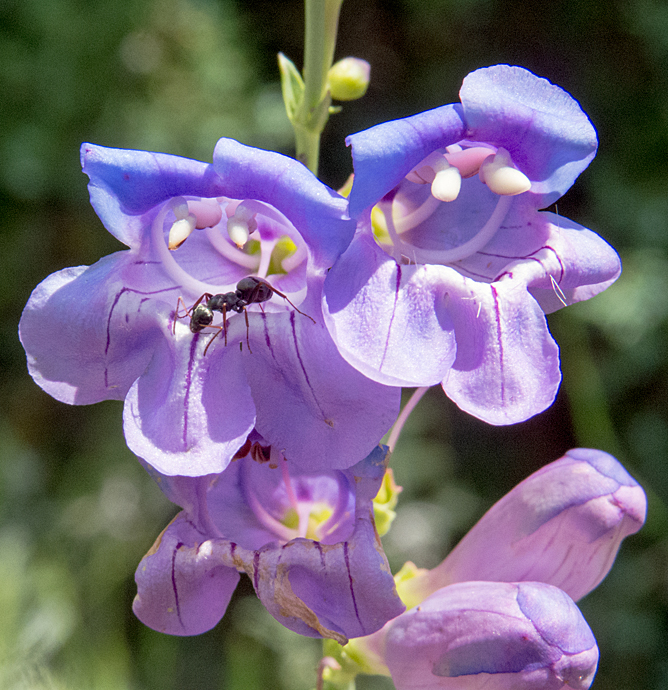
pixel 292 86
pixel 385 503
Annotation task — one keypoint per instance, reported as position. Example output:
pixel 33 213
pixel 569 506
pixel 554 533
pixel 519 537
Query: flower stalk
pixel 308 100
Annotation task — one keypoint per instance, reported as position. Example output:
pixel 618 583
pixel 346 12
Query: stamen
pixel 180 231
pixel 207 212
pixel 467 161
pixel 266 248
pixel 240 225
pixel 180 208
pixel 267 520
pixel 446 256
pixel 501 176
pixel 278 457
pixel 261 513
pixel 169 264
pixel 251 261
pixel 183 226
pixel 447 182
pixel 387 209
pixel 419 215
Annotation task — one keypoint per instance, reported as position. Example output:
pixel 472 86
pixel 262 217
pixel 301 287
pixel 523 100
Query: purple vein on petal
pixel 301 364
pixel 111 313
pixel 318 546
pixel 256 571
pixel 267 339
pixel 176 594
pixel 350 580
pixel 394 311
pixel 499 338
pixel 186 395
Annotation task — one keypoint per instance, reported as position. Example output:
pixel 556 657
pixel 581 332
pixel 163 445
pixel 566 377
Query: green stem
pixel 322 19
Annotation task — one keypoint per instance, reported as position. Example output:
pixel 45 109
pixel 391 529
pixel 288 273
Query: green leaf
pixel 292 86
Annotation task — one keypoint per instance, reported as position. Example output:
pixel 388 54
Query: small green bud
pixel 348 79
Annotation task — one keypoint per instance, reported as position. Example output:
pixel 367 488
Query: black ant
pixel 249 291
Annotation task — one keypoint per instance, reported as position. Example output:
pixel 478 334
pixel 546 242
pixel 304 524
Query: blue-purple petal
pixel 549 137
pixel 507 365
pixel 383 155
pixel 187 414
pixel 126 185
pixel 182 589
pixel 389 321
pixel 86 334
pixel 319 214
pixel 310 402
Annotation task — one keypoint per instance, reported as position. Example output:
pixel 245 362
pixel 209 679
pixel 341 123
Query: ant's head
pixel 202 316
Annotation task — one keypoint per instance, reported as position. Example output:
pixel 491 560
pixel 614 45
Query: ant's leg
pixel 215 335
pixel 289 301
pixel 179 303
pixel 225 322
pixel 247 329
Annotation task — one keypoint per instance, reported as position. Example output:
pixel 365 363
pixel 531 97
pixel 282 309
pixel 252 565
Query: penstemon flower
pixel 492 635
pixel 121 329
pixel 307 540
pixel 454 267
pixel 499 609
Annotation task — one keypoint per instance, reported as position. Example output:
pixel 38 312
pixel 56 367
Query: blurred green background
pixel 76 510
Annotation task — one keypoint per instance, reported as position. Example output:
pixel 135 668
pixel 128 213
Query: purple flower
pixel 562 525
pixel 117 329
pixel 449 277
pixel 307 541
pixel 554 537
pixel 492 635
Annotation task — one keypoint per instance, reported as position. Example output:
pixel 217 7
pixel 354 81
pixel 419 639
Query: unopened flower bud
pixel 349 79
pixel 562 525
pixel 503 636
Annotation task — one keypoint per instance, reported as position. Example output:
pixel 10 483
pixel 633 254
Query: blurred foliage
pixel 76 510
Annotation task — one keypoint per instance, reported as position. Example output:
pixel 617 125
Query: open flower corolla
pixel 210 324
pixel 307 540
pixel 453 267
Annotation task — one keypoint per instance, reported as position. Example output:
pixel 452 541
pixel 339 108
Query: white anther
pixel 180 230
pixel 501 176
pixel 237 229
pixel 241 225
pixel 447 182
